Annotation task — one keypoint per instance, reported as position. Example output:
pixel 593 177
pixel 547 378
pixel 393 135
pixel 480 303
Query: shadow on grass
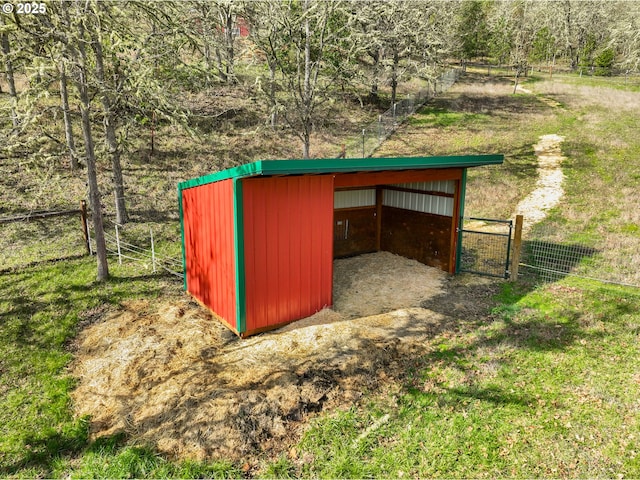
pixel 42 308
pixel 40 263
pixel 453 397
pixel 42 450
pixel 69 288
pixel 550 261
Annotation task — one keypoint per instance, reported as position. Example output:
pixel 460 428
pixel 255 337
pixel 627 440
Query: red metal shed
pixel 259 240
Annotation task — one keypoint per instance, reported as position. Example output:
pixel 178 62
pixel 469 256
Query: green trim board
pixel 327 166
pixel 184 249
pixel 238 232
pixel 463 192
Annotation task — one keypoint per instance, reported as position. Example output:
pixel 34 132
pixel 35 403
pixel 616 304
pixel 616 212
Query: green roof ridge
pixel 333 165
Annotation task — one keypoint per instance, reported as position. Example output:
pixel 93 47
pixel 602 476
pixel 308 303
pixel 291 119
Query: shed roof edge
pixel 326 166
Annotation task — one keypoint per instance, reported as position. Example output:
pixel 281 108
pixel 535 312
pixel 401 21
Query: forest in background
pixel 88 84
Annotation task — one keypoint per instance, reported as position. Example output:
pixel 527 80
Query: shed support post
pixel 517 248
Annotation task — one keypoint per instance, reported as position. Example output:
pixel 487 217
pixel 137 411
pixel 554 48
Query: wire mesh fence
pixel 377 132
pixel 486 247
pixel 551 252
pixel 136 245
pixel 32 240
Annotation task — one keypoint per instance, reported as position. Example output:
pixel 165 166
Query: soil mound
pixel 170 375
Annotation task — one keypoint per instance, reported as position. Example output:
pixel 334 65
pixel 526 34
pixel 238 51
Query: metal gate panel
pixel 486 249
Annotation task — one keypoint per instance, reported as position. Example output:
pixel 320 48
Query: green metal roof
pixel 340 165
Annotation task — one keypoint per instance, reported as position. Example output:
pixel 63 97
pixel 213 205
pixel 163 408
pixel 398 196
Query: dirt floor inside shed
pixel 169 375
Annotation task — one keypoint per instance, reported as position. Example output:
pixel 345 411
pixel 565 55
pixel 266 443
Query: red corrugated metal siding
pixel 209 244
pixel 288 232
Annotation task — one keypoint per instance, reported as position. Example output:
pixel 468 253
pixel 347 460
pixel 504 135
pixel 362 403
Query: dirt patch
pixel 170 375
pixel 548 191
pixel 381 282
pixel 546 100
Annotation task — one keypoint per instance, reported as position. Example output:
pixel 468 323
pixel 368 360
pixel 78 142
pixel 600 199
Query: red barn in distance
pixel 259 240
pixel 241 28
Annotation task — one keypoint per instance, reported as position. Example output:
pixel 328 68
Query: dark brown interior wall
pixel 354 231
pixel 421 236
pixel 424 237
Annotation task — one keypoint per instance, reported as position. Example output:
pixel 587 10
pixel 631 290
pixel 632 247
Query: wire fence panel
pixel 377 132
pixel 550 252
pixel 486 247
pixel 135 246
pixel 42 239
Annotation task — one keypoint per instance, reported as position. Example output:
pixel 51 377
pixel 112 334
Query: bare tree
pixel 109 120
pixel 78 50
pixel 625 35
pixel 312 46
pixel 211 26
pixel 66 114
pixel 64 94
pixel 400 38
pixel 8 65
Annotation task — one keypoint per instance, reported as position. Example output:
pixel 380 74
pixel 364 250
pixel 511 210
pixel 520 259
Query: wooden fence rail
pixel 26 217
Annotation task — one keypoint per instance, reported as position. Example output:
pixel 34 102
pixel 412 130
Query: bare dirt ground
pixel 548 191
pixel 169 375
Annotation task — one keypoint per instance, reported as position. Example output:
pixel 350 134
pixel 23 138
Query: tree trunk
pixel 208 64
pixel 394 77
pixel 272 93
pixel 307 100
pixel 515 86
pixel 373 93
pixel 94 193
pixel 229 45
pixel 110 134
pixel 68 128
pixel 221 69
pixel 306 144
pixel 8 65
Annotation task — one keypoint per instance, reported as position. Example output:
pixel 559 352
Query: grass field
pixel 543 382
pixel 546 386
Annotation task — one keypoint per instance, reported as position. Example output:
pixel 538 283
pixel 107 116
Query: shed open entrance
pixel 381 282
pixel 412 219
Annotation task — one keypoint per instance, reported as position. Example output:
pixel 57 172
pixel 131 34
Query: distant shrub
pixel 604 62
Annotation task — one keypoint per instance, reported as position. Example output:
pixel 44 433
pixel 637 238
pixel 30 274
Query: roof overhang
pixel 348 165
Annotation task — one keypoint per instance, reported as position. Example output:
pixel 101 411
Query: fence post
pixel 153 251
pixel 118 245
pixel 363 130
pixel 89 238
pixel 517 248
pixel 85 229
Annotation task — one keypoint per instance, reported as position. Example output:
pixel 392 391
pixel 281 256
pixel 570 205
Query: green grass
pixel 113 458
pixel 631 83
pixel 40 310
pixel 440 117
pixel 546 387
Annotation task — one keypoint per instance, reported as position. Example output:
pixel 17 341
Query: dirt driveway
pixel 170 375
